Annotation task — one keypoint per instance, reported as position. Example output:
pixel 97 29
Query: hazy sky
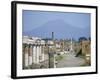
pixel 35 19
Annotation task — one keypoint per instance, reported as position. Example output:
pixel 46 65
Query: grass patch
pixel 59 57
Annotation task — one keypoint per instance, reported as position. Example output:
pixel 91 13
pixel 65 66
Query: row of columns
pixel 32 54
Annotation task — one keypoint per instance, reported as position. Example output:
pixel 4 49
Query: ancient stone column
pixel 26 56
pixel 42 53
pixel 34 54
pixel 37 54
pixel 30 55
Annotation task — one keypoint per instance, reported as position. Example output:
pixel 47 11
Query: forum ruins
pixel 37 52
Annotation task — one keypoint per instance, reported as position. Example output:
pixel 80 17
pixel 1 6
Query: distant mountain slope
pixel 61 30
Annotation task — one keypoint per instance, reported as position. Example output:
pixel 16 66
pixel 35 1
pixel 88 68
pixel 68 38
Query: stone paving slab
pixel 70 60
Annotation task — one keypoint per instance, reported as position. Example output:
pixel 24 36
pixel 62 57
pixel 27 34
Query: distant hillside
pixel 61 30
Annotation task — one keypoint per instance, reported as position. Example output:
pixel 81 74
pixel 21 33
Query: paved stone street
pixel 70 60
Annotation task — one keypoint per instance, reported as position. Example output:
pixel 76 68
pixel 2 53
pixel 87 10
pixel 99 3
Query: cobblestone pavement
pixel 70 60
